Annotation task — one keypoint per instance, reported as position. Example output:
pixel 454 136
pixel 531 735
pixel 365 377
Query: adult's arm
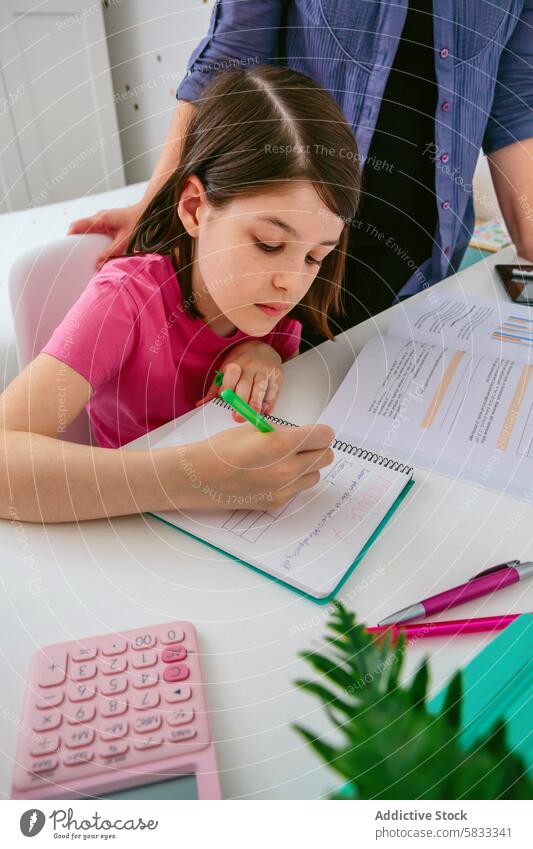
pixel 508 140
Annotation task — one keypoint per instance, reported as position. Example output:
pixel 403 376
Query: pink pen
pixel 484 583
pixel 446 629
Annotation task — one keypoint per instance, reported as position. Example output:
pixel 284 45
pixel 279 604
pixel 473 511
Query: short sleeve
pixel 99 332
pixel 511 117
pixel 239 35
pixel 285 338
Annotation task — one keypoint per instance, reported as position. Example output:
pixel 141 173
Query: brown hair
pixel 254 128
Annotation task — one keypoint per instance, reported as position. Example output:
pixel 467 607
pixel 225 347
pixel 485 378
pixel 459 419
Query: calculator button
pixel 144 679
pixel 181 735
pixel 44 745
pixel 117 646
pixel 48 700
pixel 144 701
pixel 175 673
pixel 43 765
pixel 147 722
pixel 83 672
pixel 77 758
pixel 111 750
pixel 143 641
pixel 79 737
pixel 114 665
pixel 179 717
pixel 83 653
pixel 80 693
pixel 53 672
pixel 113 707
pixel 174 655
pixel 145 658
pixel 80 713
pixel 148 742
pixel 113 686
pixel 47 720
pixel 172 635
pixel 179 693
pixel 114 730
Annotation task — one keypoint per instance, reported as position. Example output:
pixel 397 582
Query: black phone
pixel 518 280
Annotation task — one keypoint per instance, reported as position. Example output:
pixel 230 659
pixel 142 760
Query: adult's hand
pixel 117 223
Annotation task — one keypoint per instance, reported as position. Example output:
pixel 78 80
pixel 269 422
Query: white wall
pixel 149 44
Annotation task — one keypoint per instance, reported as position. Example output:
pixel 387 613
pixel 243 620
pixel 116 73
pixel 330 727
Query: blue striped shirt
pixel 484 73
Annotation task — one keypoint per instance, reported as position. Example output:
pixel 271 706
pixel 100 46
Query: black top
pixel 394 230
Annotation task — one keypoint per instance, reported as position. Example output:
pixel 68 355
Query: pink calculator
pixel 118 716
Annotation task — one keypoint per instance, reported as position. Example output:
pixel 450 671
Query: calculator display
pixel 183 787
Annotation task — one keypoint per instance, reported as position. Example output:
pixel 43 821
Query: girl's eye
pixel 271 248
pixel 267 248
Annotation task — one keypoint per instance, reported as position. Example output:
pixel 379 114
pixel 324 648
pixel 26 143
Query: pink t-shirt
pixel 147 359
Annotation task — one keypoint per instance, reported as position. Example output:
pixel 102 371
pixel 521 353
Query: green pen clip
pixel 241 407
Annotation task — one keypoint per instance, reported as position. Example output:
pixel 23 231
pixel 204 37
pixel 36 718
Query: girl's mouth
pixel 273 308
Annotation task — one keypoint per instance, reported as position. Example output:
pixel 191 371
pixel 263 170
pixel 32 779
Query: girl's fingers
pixel 243 390
pixel 213 392
pixel 275 381
pixel 259 389
pixel 232 374
pixel 296 486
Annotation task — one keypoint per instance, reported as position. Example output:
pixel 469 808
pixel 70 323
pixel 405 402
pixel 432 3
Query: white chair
pixel 43 284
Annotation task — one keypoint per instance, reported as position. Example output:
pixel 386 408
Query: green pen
pixel 244 409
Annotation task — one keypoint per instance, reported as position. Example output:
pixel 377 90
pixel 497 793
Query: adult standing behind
pixel 424 86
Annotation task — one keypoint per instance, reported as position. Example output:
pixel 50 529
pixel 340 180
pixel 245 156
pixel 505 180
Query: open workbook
pixel 311 543
pixel 449 387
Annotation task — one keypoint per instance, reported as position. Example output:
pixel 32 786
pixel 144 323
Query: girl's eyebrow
pixel 273 219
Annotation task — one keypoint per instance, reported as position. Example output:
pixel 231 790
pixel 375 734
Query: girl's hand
pixel 243 468
pixel 254 371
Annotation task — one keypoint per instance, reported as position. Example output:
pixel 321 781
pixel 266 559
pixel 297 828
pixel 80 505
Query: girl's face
pixel 256 258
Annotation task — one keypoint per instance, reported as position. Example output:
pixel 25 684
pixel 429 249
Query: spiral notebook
pixel 311 543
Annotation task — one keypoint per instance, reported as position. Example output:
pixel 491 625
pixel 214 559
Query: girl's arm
pixel 44 479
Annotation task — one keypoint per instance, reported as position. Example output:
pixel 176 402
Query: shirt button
pixel 447 251
pixel 444 53
pixel 446 204
pixel 444 157
pixel 446 106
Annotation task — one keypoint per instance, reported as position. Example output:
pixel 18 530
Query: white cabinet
pixel 58 118
pixel 149 44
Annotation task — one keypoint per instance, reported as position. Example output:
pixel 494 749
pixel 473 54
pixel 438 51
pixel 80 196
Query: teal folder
pixel 498 684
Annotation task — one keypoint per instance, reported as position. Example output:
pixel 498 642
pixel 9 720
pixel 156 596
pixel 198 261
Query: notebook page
pixel 312 540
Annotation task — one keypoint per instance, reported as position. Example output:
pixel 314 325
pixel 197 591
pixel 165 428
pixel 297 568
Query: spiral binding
pixel 339 445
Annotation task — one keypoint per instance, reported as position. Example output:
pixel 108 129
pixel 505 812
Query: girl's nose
pixel 288 281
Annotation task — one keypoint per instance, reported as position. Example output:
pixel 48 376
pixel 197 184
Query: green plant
pixel 390 746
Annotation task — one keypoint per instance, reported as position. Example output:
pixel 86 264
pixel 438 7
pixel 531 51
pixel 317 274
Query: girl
pixel 244 242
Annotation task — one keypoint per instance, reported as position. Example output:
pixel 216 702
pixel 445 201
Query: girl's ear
pixel 192 205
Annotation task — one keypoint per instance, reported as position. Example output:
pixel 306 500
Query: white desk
pixel 64 582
